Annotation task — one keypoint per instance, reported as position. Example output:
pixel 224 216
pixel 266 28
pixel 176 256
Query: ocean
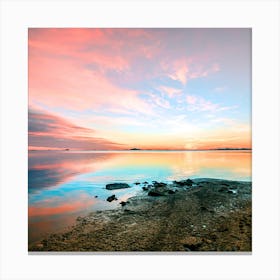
pixel 63 185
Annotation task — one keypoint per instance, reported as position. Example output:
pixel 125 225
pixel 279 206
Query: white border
pixel 262 16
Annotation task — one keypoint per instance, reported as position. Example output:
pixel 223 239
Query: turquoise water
pixel 63 185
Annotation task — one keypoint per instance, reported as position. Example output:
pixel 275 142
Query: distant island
pixel 135 149
pixel 224 149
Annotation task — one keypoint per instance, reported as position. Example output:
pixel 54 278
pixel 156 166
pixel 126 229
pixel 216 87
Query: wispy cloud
pixel 50 131
pixel 170 91
pixel 159 101
pixel 197 103
pixel 185 70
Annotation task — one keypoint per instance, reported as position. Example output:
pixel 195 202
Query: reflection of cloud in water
pixel 68 207
pixel 47 169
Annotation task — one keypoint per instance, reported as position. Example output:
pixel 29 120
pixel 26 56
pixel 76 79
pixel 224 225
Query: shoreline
pixel 190 215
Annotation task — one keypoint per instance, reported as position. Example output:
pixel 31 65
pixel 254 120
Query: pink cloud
pixel 197 103
pixel 75 44
pixel 171 92
pixel 200 71
pixel 70 68
pixel 191 99
pixel 62 69
pixel 53 132
pixel 159 101
pixel 180 71
pixel 183 69
pixel 63 83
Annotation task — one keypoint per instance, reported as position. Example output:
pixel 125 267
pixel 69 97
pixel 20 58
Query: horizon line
pixel 67 149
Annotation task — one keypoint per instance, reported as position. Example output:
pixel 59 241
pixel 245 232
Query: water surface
pixel 63 185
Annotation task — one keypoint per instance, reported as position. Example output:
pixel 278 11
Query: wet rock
pixel 171 192
pixel 145 188
pixel 189 182
pixel 128 211
pixel 96 196
pixel 157 184
pixel 223 189
pixel 137 183
pixel 111 198
pixel 179 183
pixel 123 203
pixel 159 189
pixel 182 183
pixel 155 193
pixel 145 183
pixel 232 191
pixel 116 186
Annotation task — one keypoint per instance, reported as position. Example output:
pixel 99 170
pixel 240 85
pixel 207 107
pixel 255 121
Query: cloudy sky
pixel 117 89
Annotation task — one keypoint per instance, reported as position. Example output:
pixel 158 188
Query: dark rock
pixel 171 192
pixel 155 193
pixel 232 191
pixel 128 211
pixel 137 183
pixel 187 248
pixel 178 183
pixel 182 183
pixel 116 186
pixel 145 183
pixel 189 182
pixel 96 196
pixel 145 188
pixel 158 189
pixel 156 184
pixel 223 189
pixel 111 198
pixel 123 203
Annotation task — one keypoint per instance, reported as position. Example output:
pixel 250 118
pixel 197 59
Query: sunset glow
pixel 115 89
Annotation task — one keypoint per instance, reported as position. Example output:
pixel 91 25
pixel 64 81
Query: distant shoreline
pixel 144 150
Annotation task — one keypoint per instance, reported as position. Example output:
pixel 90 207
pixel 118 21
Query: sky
pixel 120 88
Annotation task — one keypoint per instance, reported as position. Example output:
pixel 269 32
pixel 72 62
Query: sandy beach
pixel 188 215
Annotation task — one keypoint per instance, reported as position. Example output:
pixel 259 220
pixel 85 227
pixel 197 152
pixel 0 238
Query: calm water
pixel 63 184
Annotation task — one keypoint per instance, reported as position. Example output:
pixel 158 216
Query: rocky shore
pixel 188 215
